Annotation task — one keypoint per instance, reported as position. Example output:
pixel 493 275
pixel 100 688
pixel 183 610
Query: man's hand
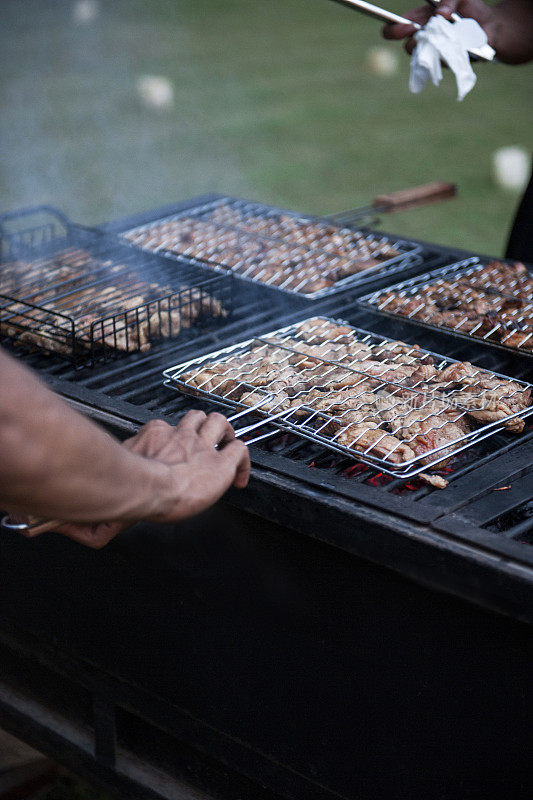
pixel 508 25
pixel 202 460
pixel 57 464
pixel 202 457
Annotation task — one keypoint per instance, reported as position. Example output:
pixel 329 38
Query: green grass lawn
pixel 274 101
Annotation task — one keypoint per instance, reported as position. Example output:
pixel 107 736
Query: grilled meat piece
pixel 279 402
pixel 434 480
pixel 367 438
pixel 493 399
pixel 425 431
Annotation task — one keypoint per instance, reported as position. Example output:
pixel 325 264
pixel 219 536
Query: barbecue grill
pixel 514 300
pixel 332 632
pixel 69 289
pixel 275 247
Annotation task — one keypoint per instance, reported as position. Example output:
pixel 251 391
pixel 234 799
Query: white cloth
pixel 449 42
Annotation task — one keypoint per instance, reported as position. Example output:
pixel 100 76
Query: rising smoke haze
pixel 110 107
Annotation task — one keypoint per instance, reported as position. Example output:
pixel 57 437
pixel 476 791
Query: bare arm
pixel 55 463
pixel 508 25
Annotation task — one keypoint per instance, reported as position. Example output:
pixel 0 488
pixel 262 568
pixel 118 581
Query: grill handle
pixel 423 195
pixel 32 210
pixel 417 196
pixel 31 226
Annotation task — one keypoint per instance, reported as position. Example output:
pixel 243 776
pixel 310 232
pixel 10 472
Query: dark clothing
pixel 520 245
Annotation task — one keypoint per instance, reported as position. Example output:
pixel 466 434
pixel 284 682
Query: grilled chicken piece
pixel 425 431
pixel 494 399
pixel 209 379
pixel 516 395
pixel 266 404
pixel 353 397
pixel 434 480
pixel 306 355
pixel 318 330
pixel 456 373
pixel 521 340
pixel 406 374
pixel 368 438
pixel 497 409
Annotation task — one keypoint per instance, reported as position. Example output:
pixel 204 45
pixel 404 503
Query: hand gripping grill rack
pixel 330 422
pixel 514 298
pixel 288 252
pixel 83 294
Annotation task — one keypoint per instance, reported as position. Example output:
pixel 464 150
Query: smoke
pixel 83 85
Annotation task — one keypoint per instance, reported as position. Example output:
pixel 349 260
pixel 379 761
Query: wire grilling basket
pixel 82 294
pixel 389 404
pixel 302 255
pixel 491 301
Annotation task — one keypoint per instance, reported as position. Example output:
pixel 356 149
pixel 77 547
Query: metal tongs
pixel 485 53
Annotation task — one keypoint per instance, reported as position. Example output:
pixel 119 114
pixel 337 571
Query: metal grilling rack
pixel 368 397
pixel 82 294
pixel 303 255
pixel 492 302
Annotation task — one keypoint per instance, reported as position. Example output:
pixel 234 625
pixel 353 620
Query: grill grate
pixel 390 404
pixel 296 254
pixel 79 293
pixel 492 302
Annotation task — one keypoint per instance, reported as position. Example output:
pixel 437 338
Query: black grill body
pixel 314 637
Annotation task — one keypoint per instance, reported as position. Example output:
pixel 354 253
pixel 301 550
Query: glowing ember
pixel 412 486
pixel 355 469
pixel 379 480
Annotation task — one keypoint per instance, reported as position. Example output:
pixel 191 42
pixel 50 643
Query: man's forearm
pixel 510 31
pixel 56 463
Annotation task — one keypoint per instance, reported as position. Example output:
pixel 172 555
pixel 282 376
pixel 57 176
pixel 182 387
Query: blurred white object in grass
pixel 382 61
pixel 156 92
pixel 84 11
pixel 511 167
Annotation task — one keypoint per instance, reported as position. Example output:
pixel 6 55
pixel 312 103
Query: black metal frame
pixel 116 332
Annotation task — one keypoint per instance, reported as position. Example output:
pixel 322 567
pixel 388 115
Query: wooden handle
pixel 418 196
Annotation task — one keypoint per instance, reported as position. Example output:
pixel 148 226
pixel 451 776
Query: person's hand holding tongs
pixel 401 27
pixel 508 25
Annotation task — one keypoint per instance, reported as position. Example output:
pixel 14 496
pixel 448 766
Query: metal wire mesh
pixel 492 302
pixel 302 255
pixel 85 296
pixel 387 403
